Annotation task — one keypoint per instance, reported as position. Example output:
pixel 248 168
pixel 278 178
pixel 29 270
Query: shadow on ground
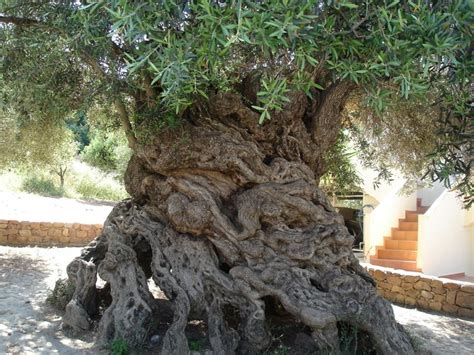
pixel 27 324
pixel 436 333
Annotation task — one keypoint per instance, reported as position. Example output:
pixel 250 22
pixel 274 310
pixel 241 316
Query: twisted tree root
pixel 226 213
pixel 318 291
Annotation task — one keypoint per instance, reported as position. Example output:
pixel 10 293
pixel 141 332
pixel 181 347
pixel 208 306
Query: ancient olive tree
pixel 230 108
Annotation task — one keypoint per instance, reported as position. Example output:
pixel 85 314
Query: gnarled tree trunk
pixel 228 213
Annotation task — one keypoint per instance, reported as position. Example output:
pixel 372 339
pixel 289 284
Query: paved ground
pixel 461 278
pixel 29 326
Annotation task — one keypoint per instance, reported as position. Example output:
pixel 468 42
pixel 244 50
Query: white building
pixel 427 231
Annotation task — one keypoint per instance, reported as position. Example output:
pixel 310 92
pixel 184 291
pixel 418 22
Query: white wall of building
pixel 446 238
pixel 368 177
pixel 387 206
pixel 445 231
pixel 378 222
pixel 469 224
pixel 429 195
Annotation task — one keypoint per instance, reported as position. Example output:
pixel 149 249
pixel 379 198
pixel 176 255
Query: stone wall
pixel 398 286
pixel 425 292
pixel 16 233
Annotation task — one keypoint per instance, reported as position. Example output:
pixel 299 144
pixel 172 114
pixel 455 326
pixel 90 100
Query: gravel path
pixel 437 334
pixel 33 208
pixel 29 326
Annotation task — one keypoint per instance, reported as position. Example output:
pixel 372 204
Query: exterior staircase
pixel 400 250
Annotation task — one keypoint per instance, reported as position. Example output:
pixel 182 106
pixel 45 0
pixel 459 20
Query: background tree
pixel 24 148
pixel 230 109
pixel 401 138
pixel 108 151
pixel 62 159
pixel 341 175
pixel 80 128
pixel 33 143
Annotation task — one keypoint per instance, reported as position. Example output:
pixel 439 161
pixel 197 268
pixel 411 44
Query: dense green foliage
pixel 341 175
pixel 153 60
pixel 402 136
pixel 32 142
pixel 108 152
pixel 119 347
pixel 190 47
pixel 80 128
pixel 81 182
pixel 41 186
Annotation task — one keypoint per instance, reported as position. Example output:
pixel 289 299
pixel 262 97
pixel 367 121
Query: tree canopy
pixel 234 112
pixel 147 63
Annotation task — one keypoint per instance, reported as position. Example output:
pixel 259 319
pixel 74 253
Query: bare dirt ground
pixel 27 207
pixel 437 334
pixel 28 325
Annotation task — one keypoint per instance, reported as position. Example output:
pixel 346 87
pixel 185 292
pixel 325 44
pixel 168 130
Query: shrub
pixel 281 350
pixel 108 152
pixel 119 347
pixel 100 153
pixel 194 345
pixel 90 188
pixel 82 182
pixel 61 294
pixel 41 186
pixel 354 340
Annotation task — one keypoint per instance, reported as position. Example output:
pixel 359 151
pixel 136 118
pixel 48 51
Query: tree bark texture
pixel 227 213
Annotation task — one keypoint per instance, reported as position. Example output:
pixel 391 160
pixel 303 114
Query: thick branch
pixel 125 122
pixel 21 21
pixel 150 92
pixel 326 114
pixel 225 218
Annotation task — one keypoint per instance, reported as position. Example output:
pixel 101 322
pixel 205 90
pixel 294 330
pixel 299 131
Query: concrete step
pixel 397 254
pixel 396 264
pixel 390 243
pixel 407 226
pixel 398 234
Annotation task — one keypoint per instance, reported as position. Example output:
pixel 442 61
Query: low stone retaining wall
pixel 20 233
pixel 425 292
pixel 398 286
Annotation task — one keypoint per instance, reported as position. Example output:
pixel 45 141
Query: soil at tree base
pixel 29 326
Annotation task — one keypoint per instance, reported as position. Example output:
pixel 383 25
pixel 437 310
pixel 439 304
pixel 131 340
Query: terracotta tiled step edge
pixel 407 226
pixel 398 234
pixel 418 202
pixel 419 207
pixel 396 264
pixel 423 291
pixel 422 209
pixel 396 254
pixel 390 243
pixel 411 216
